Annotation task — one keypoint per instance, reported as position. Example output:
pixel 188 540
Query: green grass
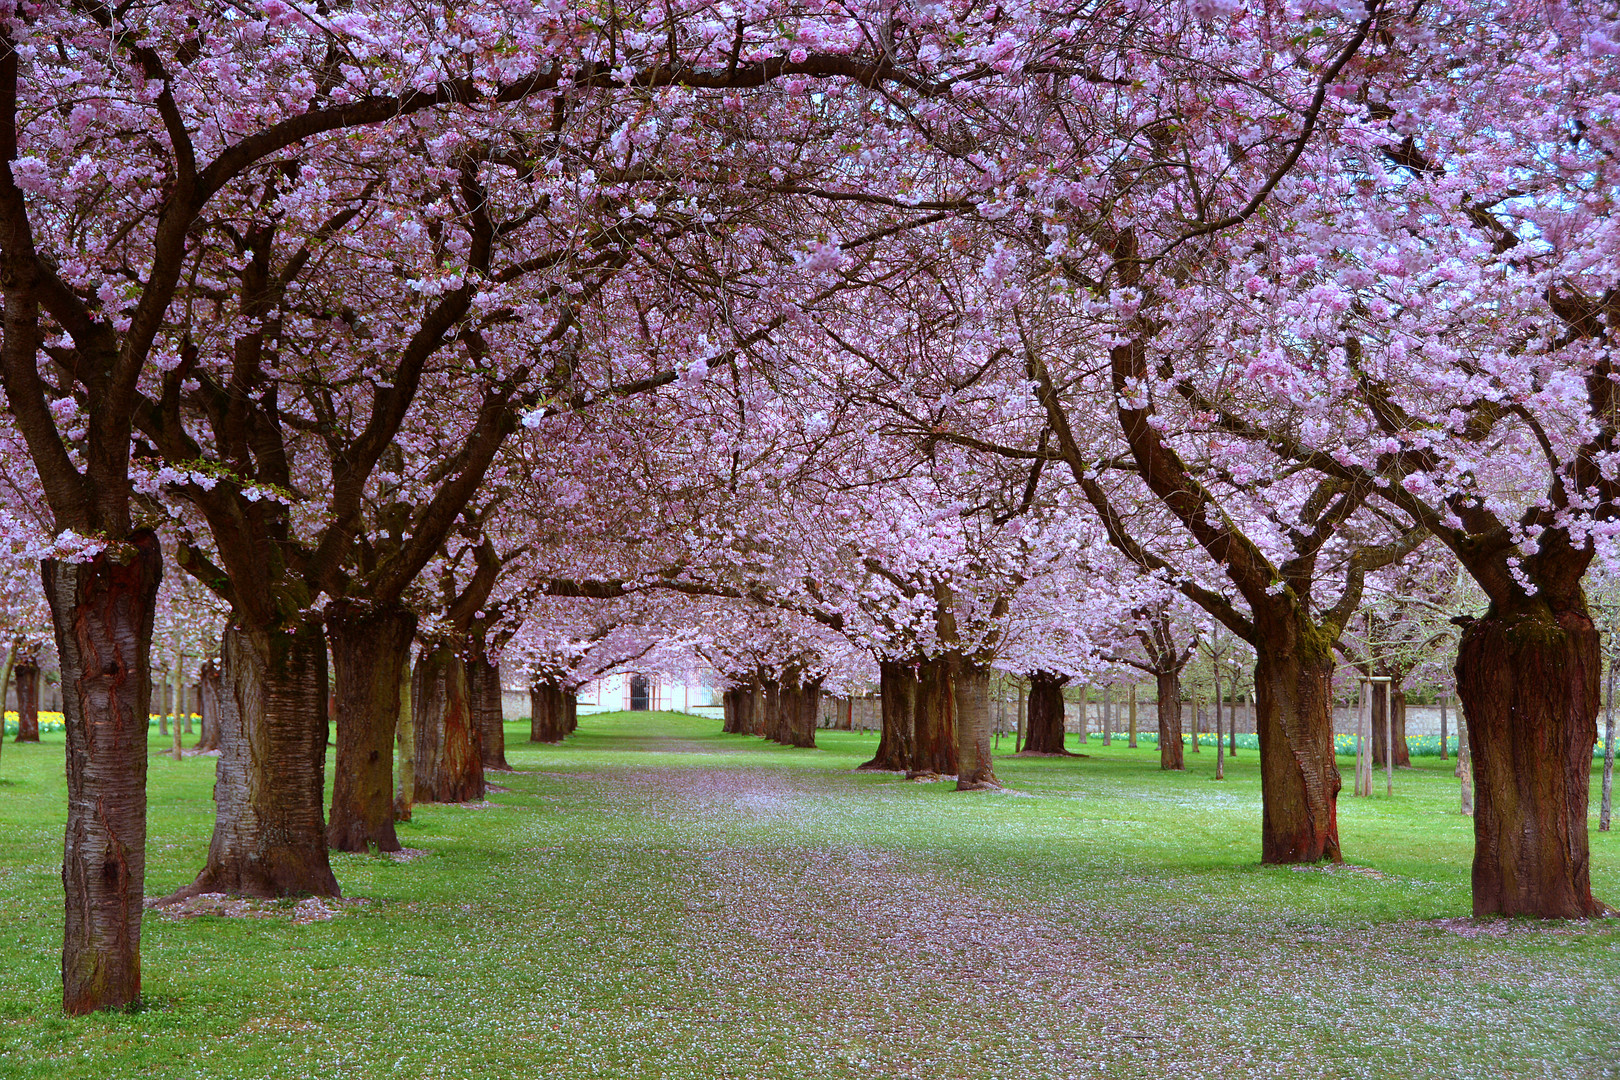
pixel 654 899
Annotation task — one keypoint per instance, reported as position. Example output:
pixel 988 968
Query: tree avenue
pixel 888 346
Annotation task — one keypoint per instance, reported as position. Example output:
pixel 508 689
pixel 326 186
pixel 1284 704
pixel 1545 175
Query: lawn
pixel 655 899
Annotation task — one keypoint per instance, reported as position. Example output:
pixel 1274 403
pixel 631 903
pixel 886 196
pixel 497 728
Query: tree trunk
pixel 5 686
pixel 1299 779
pixel 1443 727
pixel 743 706
pixel 570 711
pixel 449 763
pixel 1396 718
pixel 728 700
pixel 1132 742
pixel 806 709
pixel 897 705
pixel 26 674
pixel 1046 729
pixel 101 612
pixel 1528 683
pixel 1606 803
pixel 484 688
pixel 405 746
pixel 371 649
pixel 269 839
pixel 771 714
pixel 971 690
pixel 546 713
pixel 209 687
pixel 1170 752
pixel 934 721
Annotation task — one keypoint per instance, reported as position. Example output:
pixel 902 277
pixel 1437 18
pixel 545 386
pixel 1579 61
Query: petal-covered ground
pixel 654 899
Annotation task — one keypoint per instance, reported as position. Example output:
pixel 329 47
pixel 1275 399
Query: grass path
pixel 655 899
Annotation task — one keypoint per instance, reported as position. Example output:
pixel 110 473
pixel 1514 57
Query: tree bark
pixel 371 649
pixel 209 687
pixel 1395 715
pixel 971 691
pixel 546 724
pixel 773 710
pixel 1046 726
pixel 269 839
pixel 897 705
pixel 449 763
pixel 484 687
pixel 1299 778
pixel 1170 750
pixel 805 708
pixel 405 747
pixel 934 721
pixel 101 612
pixel 1528 682
pixel 26 676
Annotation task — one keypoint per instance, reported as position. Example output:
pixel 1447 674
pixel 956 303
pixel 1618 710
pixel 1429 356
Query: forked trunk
pixel 371 649
pixel 1047 723
pixel 449 764
pixel 1397 718
pixel 897 705
pixel 934 721
pixel 484 687
pixel 546 713
pixel 101 611
pixel 269 839
pixel 1170 749
pixel 209 687
pixel 1528 683
pixel 971 683
pixel 1299 778
pixel 26 677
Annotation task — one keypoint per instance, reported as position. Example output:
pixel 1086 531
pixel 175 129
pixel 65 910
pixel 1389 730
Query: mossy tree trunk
pixel 1527 678
pixel 371 650
pixel 1299 777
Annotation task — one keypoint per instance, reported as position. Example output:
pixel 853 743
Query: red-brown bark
pixel 1403 754
pixel 1171 753
pixel 25 676
pixel 449 763
pixel 1527 678
pixel 208 690
pixel 101 612
pixel 934 721
pixel 370 650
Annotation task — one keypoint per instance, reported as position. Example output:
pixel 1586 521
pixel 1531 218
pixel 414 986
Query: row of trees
pixel 806 341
